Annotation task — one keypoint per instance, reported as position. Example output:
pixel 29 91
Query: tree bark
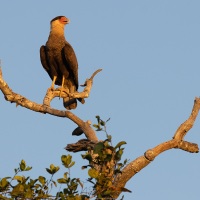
pixel 177 142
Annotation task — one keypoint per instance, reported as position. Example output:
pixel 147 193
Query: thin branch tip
pixel 95 73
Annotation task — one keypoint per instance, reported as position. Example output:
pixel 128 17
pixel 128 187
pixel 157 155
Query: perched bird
pixel 59 60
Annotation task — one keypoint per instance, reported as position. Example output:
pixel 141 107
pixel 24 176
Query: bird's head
pixel 59 21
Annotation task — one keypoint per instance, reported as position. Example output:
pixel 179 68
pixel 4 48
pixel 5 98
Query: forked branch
pixel 134 166
pixel 51 94
pixel 45 107
pixel 177 142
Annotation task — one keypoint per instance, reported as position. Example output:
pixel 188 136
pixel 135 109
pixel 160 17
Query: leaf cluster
pixel 22 187
pixel 104 164
pixel 104 167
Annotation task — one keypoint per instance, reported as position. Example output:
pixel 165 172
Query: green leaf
pixel 42 180
pixel 117 171
pixel 37 186
pixel 93 173
pixel 84 167
pixel 118 154
pixel 108 120
pixel 56 169
pixel 25 179
pixel 109 137
pixel 66 160
pixel 4 182
pixel 98 128
pixel 98 148
pixel 107 192
pixel 120 144
pixel 53 169
pixel 55 184
pixel 62 181
pixel 119 165
pixel 49 171
pixel 65 175
pixel 66 191
pixel 108 157
pixel 71 164
pixel 106 143
pixel 45 187
pixel 16 170
pixel 125 190
pixel 28 194
pixel 17 190
pixel 98 118
pixel 125 161
pixel 22 165
pixel 80 183
pixel 87 157
pixel 95 126
pixel 32 182
pixel 102 123
pixel 28 168
pixel 19 178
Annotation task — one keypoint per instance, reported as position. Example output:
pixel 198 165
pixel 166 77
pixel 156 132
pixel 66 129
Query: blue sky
pixel 149 52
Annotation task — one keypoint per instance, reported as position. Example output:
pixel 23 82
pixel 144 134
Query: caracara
pixel 59 60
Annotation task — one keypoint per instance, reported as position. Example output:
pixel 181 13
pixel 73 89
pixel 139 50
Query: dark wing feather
pixel 70 59
pixel 43 58
pixel 44 61
pixel 49 64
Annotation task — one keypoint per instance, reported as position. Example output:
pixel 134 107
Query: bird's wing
pixel 71 61
pixel 43 58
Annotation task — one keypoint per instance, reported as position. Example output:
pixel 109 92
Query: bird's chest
pixel 55 44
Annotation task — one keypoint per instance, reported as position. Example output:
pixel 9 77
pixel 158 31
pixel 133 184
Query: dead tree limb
pixel 134 166
pixel 45 107
pixel 51 94
pixel 81 145
pixel 177 142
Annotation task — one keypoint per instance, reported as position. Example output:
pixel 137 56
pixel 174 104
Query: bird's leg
pixel 63 80
pixel 53 82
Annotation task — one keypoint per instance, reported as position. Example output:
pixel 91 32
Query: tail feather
pixel 69 103
pixel 81 100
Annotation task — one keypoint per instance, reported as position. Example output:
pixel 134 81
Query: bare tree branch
pixel 134 166
pixel 188 124
pixel 45 107
pixel 51 94
pixel 177 142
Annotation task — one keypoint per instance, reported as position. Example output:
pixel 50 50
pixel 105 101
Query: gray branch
pixel 45 107
pixel 177 142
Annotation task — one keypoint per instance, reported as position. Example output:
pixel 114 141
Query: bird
pixel 59 60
